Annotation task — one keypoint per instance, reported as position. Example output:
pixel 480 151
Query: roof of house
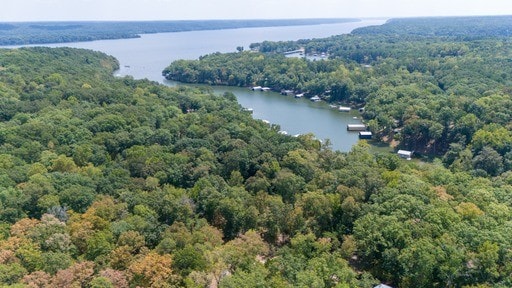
pixel 382 286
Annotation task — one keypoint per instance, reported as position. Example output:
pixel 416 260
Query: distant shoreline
pixel 35 33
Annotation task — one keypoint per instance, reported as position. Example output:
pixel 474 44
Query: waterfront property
pixel 150 52
pixel 315 98
pixel 287 92
pixel 405 154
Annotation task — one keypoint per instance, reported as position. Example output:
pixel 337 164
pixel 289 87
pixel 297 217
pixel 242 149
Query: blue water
pixel 147 56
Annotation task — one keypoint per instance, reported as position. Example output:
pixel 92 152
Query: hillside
pixel 432 85
pixel 108 182
pixel 23 33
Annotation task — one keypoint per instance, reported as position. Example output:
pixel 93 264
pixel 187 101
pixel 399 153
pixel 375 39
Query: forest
pixel 438 86
pixel 22 33
pixel 116 182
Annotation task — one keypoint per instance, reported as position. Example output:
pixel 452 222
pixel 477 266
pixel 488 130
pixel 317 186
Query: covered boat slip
pixel 356 127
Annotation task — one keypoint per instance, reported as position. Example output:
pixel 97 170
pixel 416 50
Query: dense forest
pixel 116 182
pixel 20 33
pixel 438 86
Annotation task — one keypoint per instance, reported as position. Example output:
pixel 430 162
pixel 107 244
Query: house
pixel 382 286
pixel 356 127
pixel 405 154
pixel 365 135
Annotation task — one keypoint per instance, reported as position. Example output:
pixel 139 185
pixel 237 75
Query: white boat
pixel 287 92
pixel 299 95
pixel 315 98
pixel 344 109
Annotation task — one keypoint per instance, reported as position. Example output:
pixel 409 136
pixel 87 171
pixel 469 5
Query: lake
pixel 147 56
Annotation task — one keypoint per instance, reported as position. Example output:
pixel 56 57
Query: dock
pixel 356 127
pixel 365 135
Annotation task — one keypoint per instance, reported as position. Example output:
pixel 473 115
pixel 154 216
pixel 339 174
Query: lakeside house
pixel 405 154
pixel 382 286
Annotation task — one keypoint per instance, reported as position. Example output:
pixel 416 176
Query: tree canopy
pixel 116 182
pixel 433 85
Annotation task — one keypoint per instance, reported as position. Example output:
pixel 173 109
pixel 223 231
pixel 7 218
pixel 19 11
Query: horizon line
pixel 263 19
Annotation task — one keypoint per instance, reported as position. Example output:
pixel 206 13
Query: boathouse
pixel 356 127
pixel 365 135
pixel 315 98
pixel 287 92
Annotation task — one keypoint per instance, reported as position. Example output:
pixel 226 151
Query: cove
pixel 147 56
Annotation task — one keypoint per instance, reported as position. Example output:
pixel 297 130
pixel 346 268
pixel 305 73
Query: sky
pixel 97 10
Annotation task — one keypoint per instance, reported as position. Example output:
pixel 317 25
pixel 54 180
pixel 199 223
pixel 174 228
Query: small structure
pixel 365 135
pixel 265 89
pixel 299 95
pixel 344 109
pixel 287 92
pixel 405 154
pixel 356 127
pixel 256 88
pixel 315 98
pixel 382 286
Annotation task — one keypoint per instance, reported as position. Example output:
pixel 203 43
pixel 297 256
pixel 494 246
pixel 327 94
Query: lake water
pixel 147 56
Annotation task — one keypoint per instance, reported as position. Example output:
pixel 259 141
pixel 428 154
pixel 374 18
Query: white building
pixel 405 154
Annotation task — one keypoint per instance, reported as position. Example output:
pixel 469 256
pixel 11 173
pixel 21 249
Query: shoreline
pixel 62 32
